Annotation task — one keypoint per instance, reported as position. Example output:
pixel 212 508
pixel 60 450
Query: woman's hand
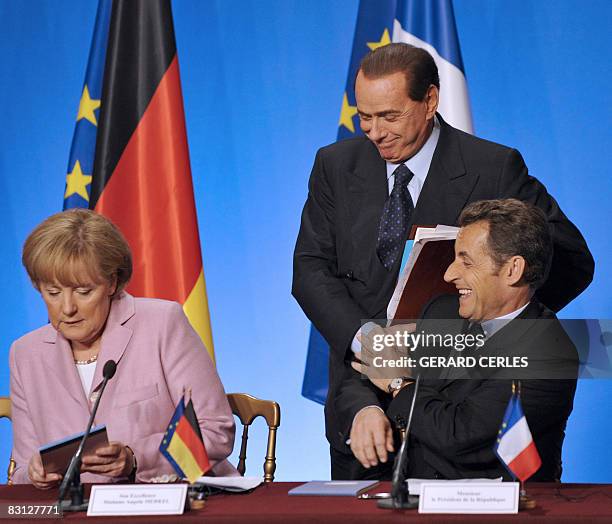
pixel 114 460
pixel 37 474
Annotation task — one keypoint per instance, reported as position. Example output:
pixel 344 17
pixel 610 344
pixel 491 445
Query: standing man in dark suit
pixel 366 192
pixel 502 255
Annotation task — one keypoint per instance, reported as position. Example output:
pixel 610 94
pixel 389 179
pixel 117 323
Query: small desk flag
pixel 182 444
pixel 515 446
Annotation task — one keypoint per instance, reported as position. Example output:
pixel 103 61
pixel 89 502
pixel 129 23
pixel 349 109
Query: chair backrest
pixel 5 412
pixel 247 408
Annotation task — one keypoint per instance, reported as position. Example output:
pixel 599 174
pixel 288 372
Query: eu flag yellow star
pixel 384 40
pixel 76 182
pixel 87 106
pixel 346 114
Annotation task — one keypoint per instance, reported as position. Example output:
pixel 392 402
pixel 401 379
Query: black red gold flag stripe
pixel 142 175
pixel 183 445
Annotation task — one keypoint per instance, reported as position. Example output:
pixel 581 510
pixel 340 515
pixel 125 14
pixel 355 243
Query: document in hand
pixel 422 276
pixel 334 488
pixel 56 455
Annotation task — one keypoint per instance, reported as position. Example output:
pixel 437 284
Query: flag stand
pixel 197 497
pixel 525 501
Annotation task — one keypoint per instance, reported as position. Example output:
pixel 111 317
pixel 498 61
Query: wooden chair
pixel 5 412
pixel 247 408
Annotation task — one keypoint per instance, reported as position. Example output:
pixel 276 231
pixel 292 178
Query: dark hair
pixel 78 236
pixel 515 228
pixel 418 66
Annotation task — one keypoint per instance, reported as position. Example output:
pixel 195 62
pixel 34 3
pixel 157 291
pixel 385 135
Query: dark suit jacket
pixel 338 279
pixel 455 422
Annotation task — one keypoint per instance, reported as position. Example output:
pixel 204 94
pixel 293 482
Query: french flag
pixel 515 446
pixel 430 24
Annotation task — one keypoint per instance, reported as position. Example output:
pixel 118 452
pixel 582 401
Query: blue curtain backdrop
pixel 263 84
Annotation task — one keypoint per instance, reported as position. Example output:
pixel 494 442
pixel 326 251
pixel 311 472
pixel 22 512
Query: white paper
pixel 231 483
pixel 440 232
pixel 469 497
pixel 414 485
pixel 137 499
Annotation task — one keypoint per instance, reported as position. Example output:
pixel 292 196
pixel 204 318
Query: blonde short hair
pixel 77 236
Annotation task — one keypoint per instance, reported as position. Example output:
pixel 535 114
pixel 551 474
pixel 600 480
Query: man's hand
pixel 114 460
pixel 37 474
pixel 360 367
pixel 384 353
pixel 371 437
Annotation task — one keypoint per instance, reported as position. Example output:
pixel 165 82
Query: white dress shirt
pixel 490 327
pixel 86 374
pixel 419 165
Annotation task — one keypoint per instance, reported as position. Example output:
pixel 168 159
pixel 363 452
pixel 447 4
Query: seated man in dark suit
pixel 502 254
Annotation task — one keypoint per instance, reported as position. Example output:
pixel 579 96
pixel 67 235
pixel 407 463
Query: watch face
pixel 396 383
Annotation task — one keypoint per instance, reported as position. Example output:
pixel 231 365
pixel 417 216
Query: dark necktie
pixel 393 229
pixel 475 328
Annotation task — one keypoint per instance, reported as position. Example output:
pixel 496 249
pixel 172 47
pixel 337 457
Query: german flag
pixel 142 176
pixel 182 444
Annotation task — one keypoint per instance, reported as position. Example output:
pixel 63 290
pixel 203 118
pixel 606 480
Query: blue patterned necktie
pixel 393 229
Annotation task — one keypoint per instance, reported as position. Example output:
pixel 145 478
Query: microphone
pixel 400 497
pixel 72 477
pixel 109 369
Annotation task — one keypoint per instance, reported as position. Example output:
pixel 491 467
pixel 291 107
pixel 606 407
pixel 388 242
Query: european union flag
pixel 429 24
pixel 373 30
pixel 82 151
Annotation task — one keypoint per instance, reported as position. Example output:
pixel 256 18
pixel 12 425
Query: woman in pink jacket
pixel 80 263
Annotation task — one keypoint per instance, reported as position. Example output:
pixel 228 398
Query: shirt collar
pixel 490 327
pixel 419 163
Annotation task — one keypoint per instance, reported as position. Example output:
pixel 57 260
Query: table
pixel 269 504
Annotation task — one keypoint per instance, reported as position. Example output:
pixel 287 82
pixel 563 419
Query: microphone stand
pixel 72 478
pixel 400 496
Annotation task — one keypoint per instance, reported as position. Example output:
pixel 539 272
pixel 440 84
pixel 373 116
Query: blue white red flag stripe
pixel 430 24
pixel 515 446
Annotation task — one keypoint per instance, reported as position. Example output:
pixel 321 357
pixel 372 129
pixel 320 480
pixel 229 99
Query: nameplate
pixel 469 497
pixel 137 499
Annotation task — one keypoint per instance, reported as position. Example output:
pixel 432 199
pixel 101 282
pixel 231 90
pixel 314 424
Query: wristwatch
pixel 398 383
pixel 132 475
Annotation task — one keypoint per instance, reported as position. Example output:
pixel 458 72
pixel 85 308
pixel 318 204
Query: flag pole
pixel 525 501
